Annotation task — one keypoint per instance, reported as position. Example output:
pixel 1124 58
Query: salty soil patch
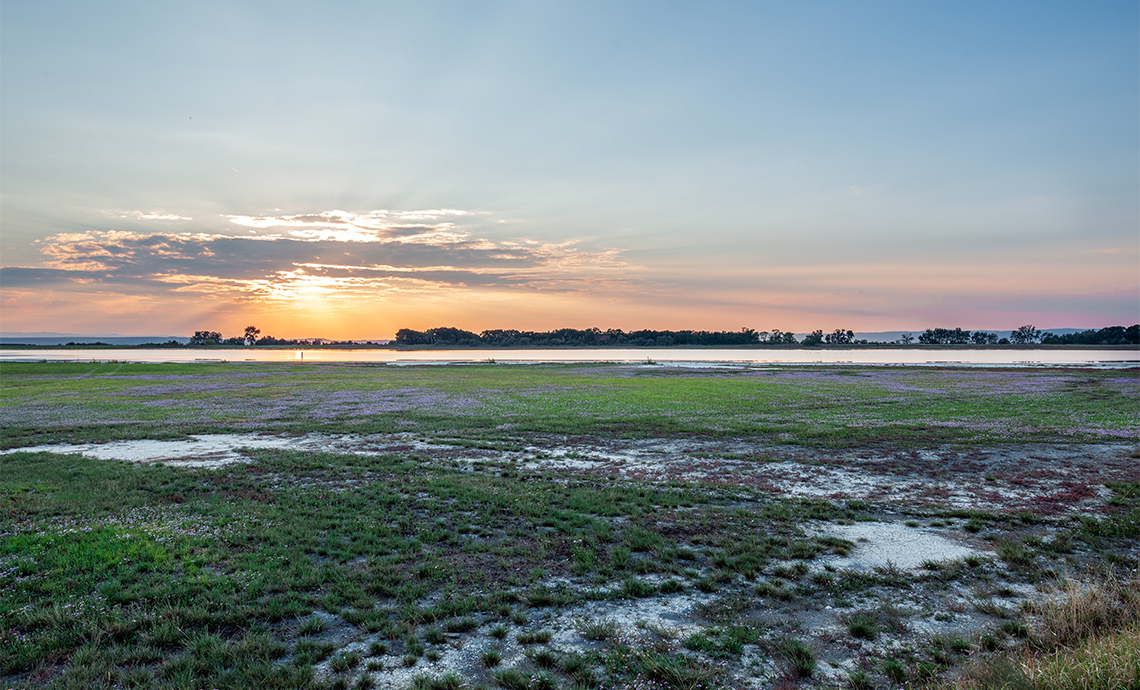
pixel 1043 478
pixel 203 451
pixel 888 545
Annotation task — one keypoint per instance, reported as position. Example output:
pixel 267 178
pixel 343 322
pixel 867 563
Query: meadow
pixel 815 406
pixel 486 526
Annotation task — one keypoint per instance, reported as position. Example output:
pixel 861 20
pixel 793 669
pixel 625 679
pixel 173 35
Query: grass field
pixel 824 406
pixel 485 565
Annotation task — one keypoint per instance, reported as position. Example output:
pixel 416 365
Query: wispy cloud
pixel 143 215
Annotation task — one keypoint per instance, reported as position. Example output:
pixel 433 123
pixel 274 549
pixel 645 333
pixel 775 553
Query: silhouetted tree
pixel 1112 335
pixel 944 336
pixel 206 338
pixel 406 336
pixel 840 337
pixel 453 336
pixel 1025 335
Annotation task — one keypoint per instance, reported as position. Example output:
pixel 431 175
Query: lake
pixel 672 356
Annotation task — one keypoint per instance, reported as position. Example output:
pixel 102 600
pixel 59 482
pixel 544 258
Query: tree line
pixel 595 337
pixel 1029 335
pixel 592 337
pixel 252 336
pixel 1112 335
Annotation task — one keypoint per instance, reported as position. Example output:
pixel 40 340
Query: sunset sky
pixel 347 169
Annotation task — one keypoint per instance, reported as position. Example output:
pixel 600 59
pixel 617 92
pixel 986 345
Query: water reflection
pixel 648 356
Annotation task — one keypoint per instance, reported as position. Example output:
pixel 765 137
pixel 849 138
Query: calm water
pixel 697 358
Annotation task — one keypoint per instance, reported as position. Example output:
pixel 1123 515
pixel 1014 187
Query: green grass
pixel 848 406
pixel 110 554
pixel 863 624
pixel 597 628
pixel 859 680
pixel 534 637
pixel 896 670
pixel 663 668
pixel 727 642
pixel 491 657
pixel 231 552
pixel 800 657
pixel 544 658
pixel 121 575
pixel 449 681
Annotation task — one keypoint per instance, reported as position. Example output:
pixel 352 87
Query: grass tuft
pixel 344 661
pixel 597 628
pixel 863 624
pixel 449 681
pixel 895 670
pixel 461 625
pixel 799 655
pixel 859 680
pixel 491 658
pixel 544 658
pixel 534 637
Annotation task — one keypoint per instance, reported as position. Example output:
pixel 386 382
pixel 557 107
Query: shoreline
pixel 494 348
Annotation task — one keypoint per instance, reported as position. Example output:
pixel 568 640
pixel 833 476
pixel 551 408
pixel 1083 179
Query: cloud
pixel 373 226
pixel 141 215
pixel 331 255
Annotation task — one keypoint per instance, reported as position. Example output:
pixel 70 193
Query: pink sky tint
pixel 93 309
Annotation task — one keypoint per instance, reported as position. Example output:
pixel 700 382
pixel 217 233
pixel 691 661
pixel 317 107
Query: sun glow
pixel 339 274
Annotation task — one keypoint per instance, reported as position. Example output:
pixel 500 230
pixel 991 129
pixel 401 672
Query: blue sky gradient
pixel 877 166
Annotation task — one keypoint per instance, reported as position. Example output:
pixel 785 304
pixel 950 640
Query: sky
pixel 347 169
